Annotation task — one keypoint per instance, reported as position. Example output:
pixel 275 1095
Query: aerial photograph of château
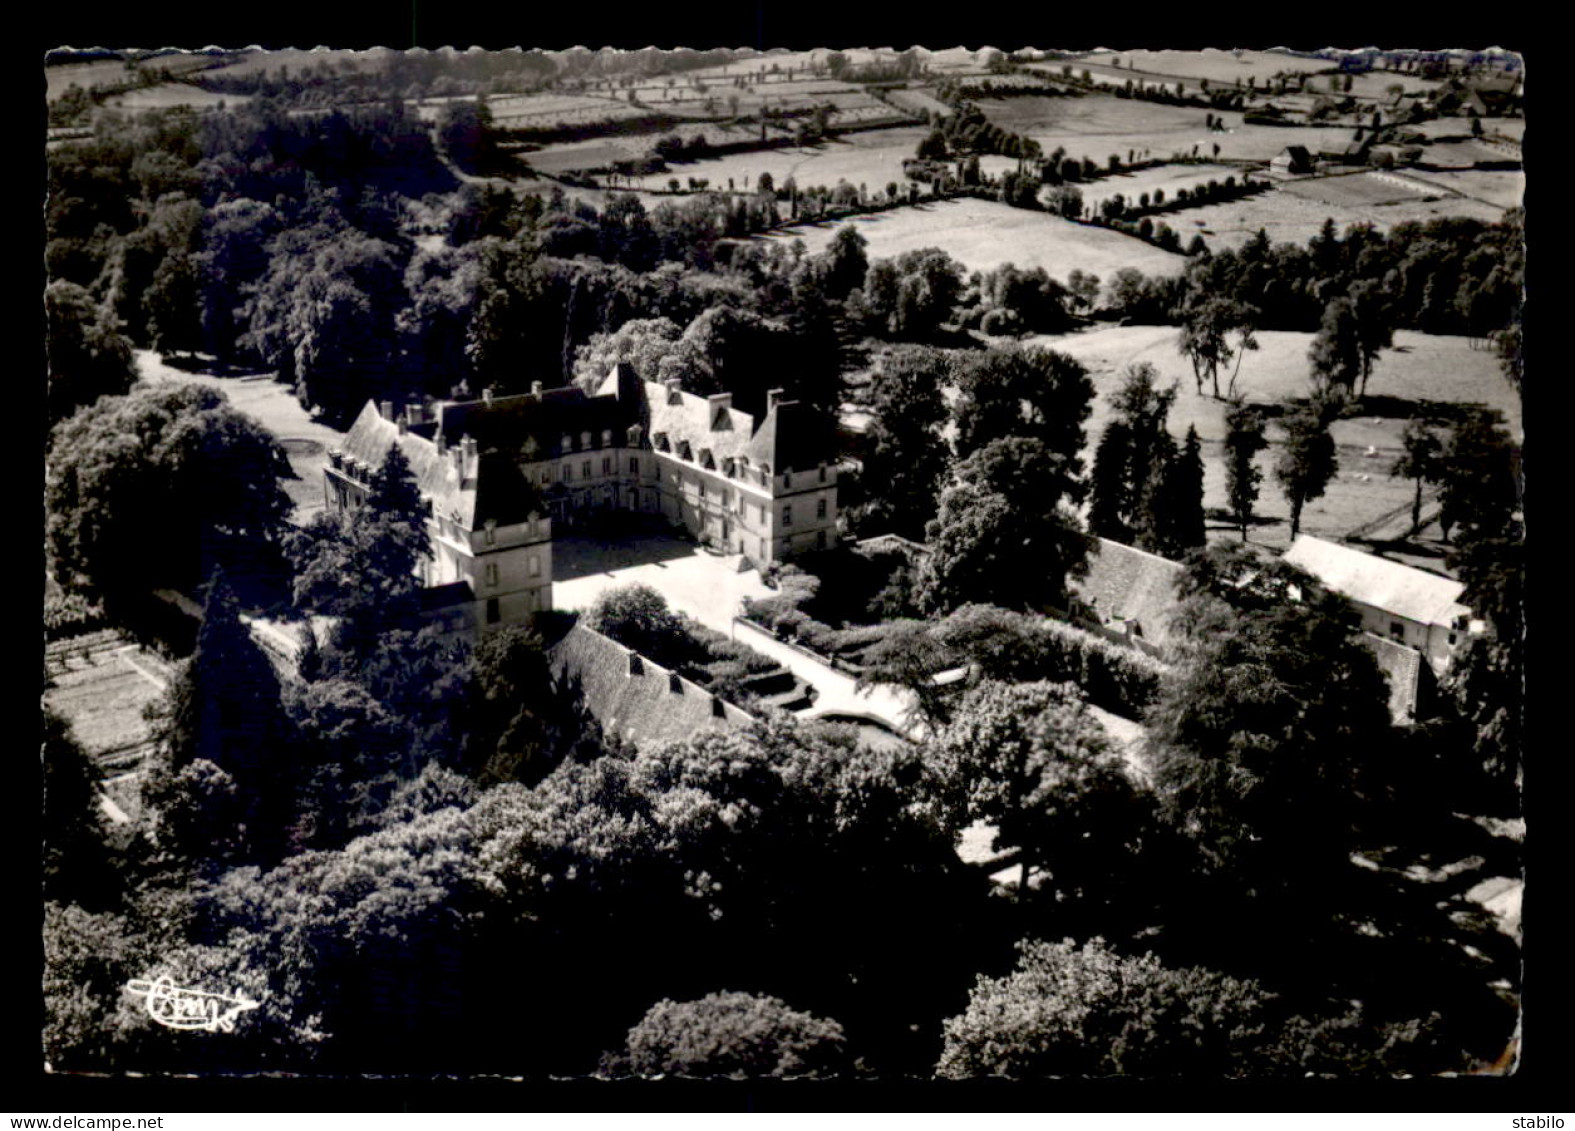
pixel 860 564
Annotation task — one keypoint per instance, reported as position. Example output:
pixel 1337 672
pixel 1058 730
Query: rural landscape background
pixel 1194 302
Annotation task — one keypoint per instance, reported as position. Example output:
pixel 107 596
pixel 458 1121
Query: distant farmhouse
pixel 1413 620
pixel 503 476
pixel 1293 160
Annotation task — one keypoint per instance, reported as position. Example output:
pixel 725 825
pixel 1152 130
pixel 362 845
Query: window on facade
pixel 607 437
pixel 1452 638
pixel 494 614
pixel 607 465
pixel 727 496
pixel 787 480
pixel 533 565
pixel 546 477
pixel 566 444
pixel 585 469
pixel 787 516
pixel 585 440
pixel 702 488
pixel 820 508
pixel 492 573
pixel 568 473
pixel 1397 630
pixel 634 465
pixel 822 473
pixel 492 533
pixel 762 516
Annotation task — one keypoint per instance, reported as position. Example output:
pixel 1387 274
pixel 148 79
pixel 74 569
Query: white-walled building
pixel 1397 602
pixel 503 476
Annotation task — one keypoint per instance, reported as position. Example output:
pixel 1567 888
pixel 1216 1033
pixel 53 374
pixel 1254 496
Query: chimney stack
pixel 535 388
pixel 674 395
pixel 387 409
pixel 773 398
pixel 635 666
pixel 486 395
pixel 674 684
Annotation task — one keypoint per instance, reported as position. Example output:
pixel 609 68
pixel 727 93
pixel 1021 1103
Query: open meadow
pixel 1097 125
pixel 982 235
pixel 1421 370
pixel 872 157
pixel 1295 211
pixel 1503 188
pixel 1226 68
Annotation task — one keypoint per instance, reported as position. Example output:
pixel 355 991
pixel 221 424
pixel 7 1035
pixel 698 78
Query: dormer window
pixel 607 437
pixel 684 451
pixel 492 531
pixel 566 444
pixel 660 440
pixel 585 441
pixel 787 480
pixel 729 466
pixel 822 473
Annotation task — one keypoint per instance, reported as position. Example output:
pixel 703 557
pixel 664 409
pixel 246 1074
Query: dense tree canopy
pixel 730 1035
pixel 166 466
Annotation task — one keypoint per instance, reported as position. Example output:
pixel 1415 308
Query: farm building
pixel 1398 603
pixel 1293 159
pixel 1128 595
pixel 632 696
pixel 502 475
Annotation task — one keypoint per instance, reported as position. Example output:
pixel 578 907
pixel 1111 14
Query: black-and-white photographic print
pixel 860 564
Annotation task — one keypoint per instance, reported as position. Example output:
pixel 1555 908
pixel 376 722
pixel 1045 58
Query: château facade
pixel 503 476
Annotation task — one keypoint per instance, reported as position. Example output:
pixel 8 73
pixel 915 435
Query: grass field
pixel 982 235
pixel 1097 125
pixel 1505 188
pixel 1225 68
pixel 273 405
pixel 872 158
pixel 165 95
pixel 1291 218
pixel 1356 190
pixel 1421 368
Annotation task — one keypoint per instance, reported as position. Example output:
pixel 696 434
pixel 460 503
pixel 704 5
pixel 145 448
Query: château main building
pixel 503 476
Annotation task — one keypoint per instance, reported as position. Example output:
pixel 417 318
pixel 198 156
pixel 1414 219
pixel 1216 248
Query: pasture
pixel 1226 68
pixel 872 158
pixel 982 235
pixel 1503 188
pixel 1291 218
pixel 1419 370
pixel 169 94
pixel 1097 125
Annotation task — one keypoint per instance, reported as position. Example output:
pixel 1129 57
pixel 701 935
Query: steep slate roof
pixel 793 437
pixel 647 706
pixel 1128 584
pixel 1410 593
pixel 436 474
pixel 497 491
pixel 687 419
pixel 504 423
pixel 1403 666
